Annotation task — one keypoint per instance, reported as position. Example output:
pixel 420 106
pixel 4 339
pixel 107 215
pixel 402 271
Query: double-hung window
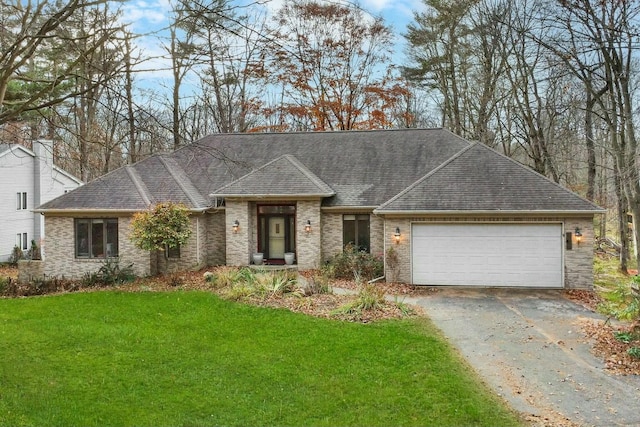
pixel 96 238
pixel 22 241
pixel 21 201
pixel 355 231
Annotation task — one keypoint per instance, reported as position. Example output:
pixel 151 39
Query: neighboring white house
pixel 27 180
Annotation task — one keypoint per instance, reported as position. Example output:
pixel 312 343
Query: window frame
pixel 21 200
pixel 106 235
pixel 172 253
pixel 359 221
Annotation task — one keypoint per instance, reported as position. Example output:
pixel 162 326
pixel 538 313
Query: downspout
pixel 198 239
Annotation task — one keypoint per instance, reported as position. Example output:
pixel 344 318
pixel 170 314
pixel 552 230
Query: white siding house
pixel 27 180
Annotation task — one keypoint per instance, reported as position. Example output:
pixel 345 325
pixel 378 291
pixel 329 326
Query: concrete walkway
pixel 530 348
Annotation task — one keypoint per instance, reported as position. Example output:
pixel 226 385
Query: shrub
pixel 16 255
pixel 239 291
pixel 275 283
pixel 624 301
pixel 393 264
pixel 317 284
pixel 370 297
pixel 34 251
pixel 627 336
pixel 175 280
pixel 357 265
pixel 90 280
pixel 5 283
pixel 223 277
pixel 634 352
pixel 110 273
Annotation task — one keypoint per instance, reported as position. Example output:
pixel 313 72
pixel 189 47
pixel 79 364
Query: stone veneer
pixel 578 262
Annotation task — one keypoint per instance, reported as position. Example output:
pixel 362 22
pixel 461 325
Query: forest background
pixel 550 83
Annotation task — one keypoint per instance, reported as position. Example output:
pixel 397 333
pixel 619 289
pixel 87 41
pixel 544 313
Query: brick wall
pixel 60 259
pixel 578 262
pixel 308 245
pixel 332 235
pixel 331 240
pixel 237 244
pixel 193 254
pixel 215 242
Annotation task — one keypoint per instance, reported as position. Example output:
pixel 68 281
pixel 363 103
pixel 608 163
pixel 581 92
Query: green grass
pixel 190 358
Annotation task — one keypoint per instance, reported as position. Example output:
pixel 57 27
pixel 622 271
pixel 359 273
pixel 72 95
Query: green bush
pixel 624 301
pixel 112 274
pixel 357 265
pixel 34 251
pixel 370 297
pixel 634 352
pixel 275 283
pixel 16 255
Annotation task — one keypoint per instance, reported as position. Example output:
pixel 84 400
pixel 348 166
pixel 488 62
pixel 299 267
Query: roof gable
pixel 481 179
pixel 284 176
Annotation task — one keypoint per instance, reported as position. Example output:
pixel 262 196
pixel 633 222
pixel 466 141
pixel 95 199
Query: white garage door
pixel 514 255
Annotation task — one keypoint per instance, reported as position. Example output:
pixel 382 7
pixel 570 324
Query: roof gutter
pixel 107 211
pixel 488 212
pixel 271 196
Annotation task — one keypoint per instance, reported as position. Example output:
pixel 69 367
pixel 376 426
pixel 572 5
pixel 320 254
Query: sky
pixel 144 16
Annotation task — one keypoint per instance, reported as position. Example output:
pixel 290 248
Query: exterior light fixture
pixel 578 234
pixel 236 225
pixel 307 226
pixel 396 235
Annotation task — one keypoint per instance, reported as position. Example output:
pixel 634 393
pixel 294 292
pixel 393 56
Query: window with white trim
pixel 23 242
pixel 21 201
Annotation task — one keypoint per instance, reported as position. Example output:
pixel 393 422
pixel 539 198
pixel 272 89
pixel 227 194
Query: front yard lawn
pixel 191 358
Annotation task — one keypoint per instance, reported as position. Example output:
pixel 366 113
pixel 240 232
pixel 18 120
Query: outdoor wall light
pixel 307 226
pixel 236 225
pixel 578 234
pixel 397 235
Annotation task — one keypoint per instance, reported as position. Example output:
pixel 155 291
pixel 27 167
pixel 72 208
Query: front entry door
pixel 276 236
pixel 276 231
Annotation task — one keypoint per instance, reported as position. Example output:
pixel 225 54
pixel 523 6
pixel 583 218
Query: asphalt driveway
pixel 530 348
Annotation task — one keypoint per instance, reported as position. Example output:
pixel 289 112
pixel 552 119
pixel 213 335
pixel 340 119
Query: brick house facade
pixel 297 193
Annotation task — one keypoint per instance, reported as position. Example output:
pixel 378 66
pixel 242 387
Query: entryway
pixel 276 232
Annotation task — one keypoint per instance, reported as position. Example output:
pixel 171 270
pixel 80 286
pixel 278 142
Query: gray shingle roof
pixel 284 176
pixel 360 169
pixel 480 179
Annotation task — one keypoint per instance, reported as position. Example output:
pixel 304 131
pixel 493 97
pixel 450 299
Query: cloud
pixel 146 16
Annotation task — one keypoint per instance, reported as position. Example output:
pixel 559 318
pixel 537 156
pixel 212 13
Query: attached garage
pixel 482 254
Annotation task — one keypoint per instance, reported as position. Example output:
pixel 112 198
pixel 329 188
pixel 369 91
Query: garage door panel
pixel 514 255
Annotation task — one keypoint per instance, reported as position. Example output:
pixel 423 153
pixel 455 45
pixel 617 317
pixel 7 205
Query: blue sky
pixel 153 15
